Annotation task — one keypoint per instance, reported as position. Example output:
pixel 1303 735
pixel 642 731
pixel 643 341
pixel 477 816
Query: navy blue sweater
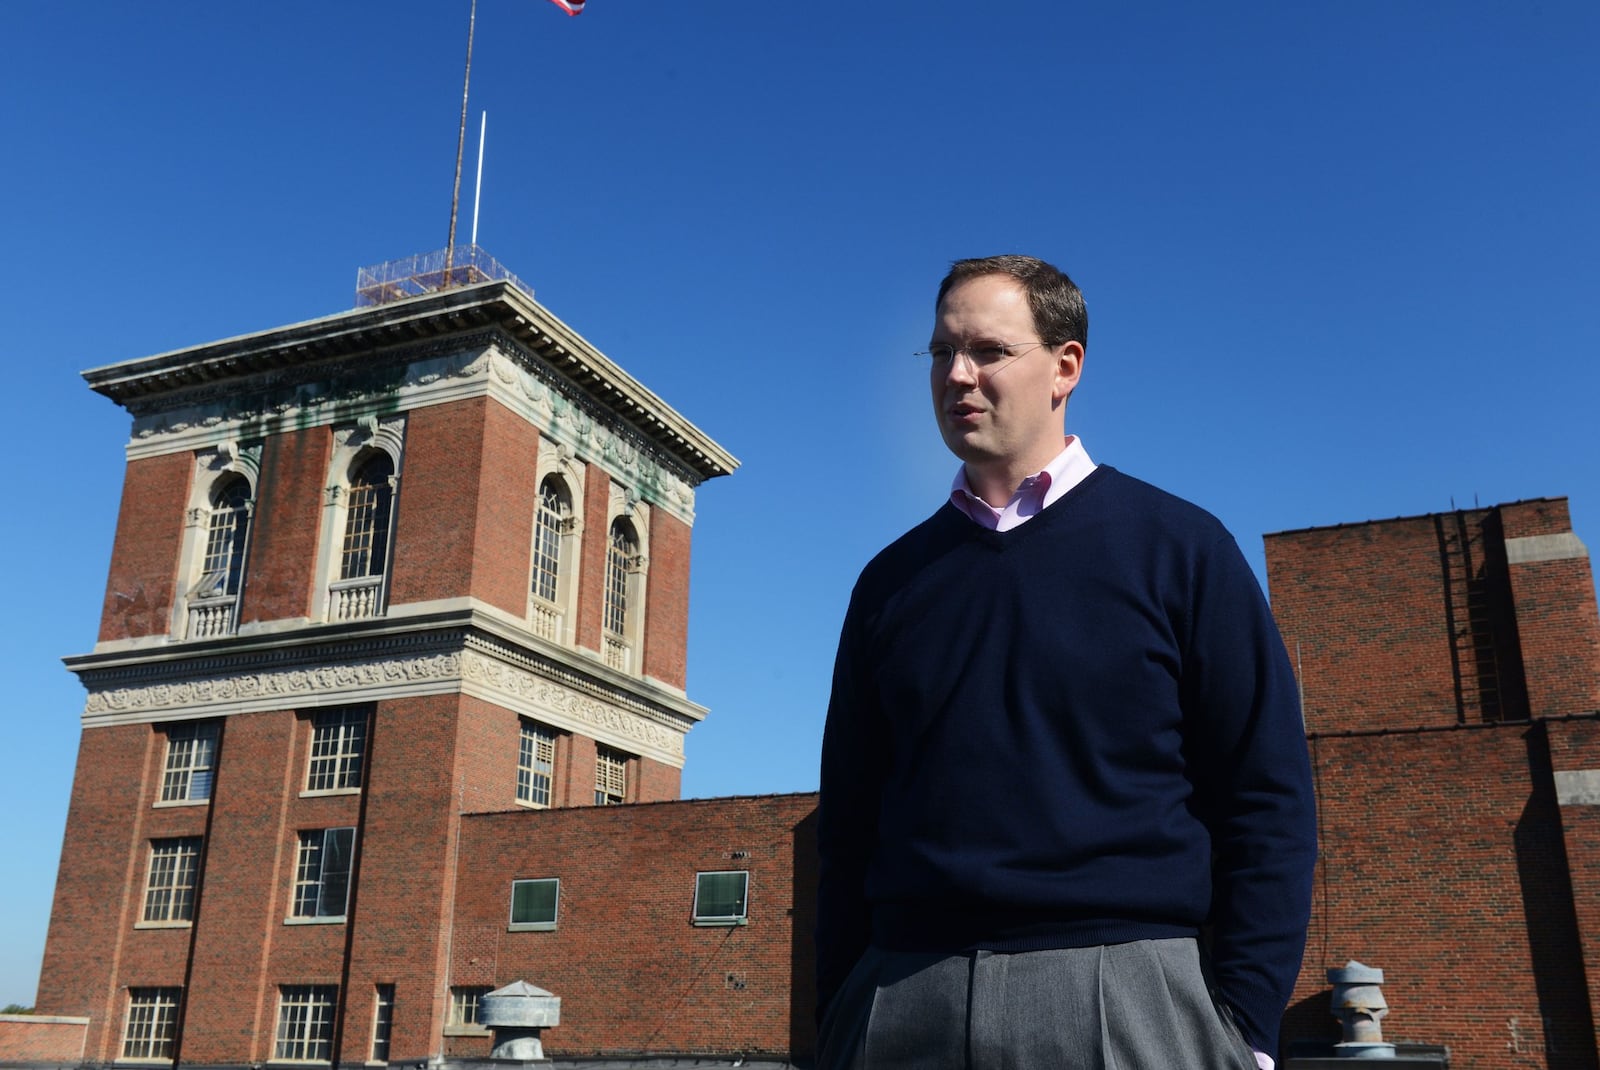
pixel 1081 731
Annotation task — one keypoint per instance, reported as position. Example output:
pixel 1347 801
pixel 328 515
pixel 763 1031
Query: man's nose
pixel 961 369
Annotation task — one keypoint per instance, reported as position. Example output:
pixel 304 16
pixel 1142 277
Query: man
pixel 1064 741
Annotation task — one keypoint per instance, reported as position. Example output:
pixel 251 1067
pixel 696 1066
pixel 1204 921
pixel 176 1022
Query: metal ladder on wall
pixel 1474 654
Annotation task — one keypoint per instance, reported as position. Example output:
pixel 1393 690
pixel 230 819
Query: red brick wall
pixel 666 626
pixel 407 867
pixel 281 572
pixel 1557 621
pixel 29 1038
pixel 633 973
pixel 436 519
pixel 1400 623
pixel 1537 516
pixel 242 948
pixel 144 558
pixel 1442 864
pixel 658 782
pixel 488 739
pixel 592 570
pixel 102 864
pixel 578 778
pixel 1575 747
pixel 1362 615
pixel 1560 635
pixel 502 566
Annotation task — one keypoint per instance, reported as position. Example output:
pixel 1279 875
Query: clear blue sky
pixel 1340 262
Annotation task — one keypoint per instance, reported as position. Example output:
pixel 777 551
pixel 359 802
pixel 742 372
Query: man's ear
pixel 1069 366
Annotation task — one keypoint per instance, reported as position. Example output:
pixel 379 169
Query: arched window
pixel 552 523
pixel 364 551
pixel 214 600
pixel 623 562
pixel 367 517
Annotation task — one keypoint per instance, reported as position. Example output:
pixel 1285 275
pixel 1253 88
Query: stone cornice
pixel 449 653
pixel 351 351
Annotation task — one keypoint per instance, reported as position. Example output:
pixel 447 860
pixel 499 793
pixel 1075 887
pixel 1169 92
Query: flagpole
pixel 461 145
pixel 477 192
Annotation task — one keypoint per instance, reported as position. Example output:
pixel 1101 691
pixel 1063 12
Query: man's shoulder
pixel 943 525
pixel 1140 505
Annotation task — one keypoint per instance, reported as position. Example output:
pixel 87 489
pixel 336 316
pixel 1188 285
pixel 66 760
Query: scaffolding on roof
pixel 425 273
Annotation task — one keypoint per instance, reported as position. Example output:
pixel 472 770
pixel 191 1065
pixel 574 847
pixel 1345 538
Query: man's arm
pixel 1248 752
pixel 854 753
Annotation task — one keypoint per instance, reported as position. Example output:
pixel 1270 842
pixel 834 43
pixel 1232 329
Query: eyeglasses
pixel 982 354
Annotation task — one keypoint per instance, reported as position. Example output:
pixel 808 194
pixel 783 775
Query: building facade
pixel 1450 675
pixel 396 611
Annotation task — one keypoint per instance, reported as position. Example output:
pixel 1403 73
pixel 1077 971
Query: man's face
pixel 1004 419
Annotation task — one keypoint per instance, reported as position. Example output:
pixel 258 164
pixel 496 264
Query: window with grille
pixel 170 884
pixel 152 1024
pixel 533 903
pixel 367 516
pixel 191 759
pixel 464 1003
pixel 720 898
pixel 382 1024
pixel 222 568
pixel 551 521
pixel 322 874
pixel 610 777
pixel 305 1023
pixel 622 558
pixel 338 742
pixel 536 763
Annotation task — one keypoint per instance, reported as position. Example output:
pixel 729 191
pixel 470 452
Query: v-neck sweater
pixel 1081 731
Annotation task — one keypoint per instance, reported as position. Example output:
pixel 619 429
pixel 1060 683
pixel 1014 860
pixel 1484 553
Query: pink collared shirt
pixel 1070 467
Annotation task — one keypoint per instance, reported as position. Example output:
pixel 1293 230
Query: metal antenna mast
pixel 461 144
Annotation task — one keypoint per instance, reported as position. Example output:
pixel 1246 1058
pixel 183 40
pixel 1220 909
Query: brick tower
pixel 372 572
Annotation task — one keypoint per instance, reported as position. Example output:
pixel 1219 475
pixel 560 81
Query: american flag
pixel 571 7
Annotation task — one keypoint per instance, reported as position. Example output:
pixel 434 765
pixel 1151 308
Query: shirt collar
pixel 1035 494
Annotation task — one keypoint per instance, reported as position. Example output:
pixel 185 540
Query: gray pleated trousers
pixel 1139 1006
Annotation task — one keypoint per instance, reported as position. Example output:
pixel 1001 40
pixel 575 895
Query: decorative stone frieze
pixel 562 707
pixel 247 692
pixel 462 662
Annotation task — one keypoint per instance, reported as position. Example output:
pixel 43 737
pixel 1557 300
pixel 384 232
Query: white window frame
pixel 610 776
pixel 515 926
pixel 311 901
pixel 171 883
pixel 189 768
pixel 465 1010
pixel 624 649
pixel 382 1023
pixel 336 598
pixel 707 920
pixel 305 1023
pixel 150 1029
pixel 336 759
pixel 555 619
pixel 534 767
pixel 196 614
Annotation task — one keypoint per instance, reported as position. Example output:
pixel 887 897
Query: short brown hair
pixel 1059 314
